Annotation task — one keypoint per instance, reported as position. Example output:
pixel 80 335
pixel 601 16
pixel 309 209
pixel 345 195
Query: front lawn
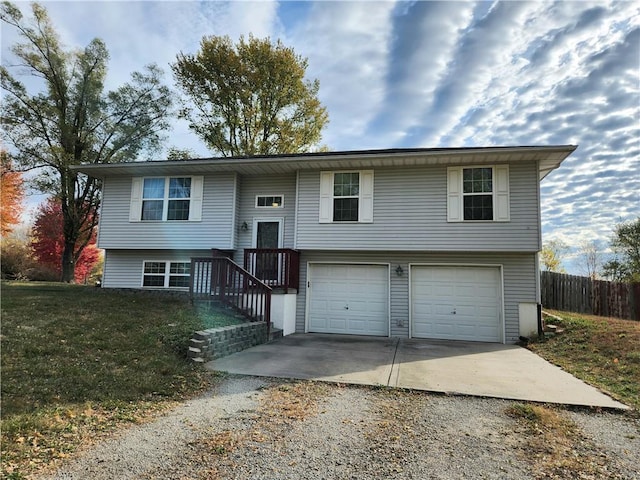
pixel 77 361
pixel 604 352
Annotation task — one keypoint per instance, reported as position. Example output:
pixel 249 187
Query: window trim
pixel 269 206
pixel 167 273
pixel 500 194
pixel 365 196
pixel 195 199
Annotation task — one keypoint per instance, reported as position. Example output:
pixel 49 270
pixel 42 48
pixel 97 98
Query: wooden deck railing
pixel 277 267
pixel 222 280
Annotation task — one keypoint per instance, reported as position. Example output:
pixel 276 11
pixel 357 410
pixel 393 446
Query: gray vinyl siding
pixel 123 269
pixel 215 230
pixel 519 281
pixel 249 187
pixel 410 213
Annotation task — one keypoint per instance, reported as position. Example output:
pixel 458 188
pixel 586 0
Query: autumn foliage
pixel 48 242
pixel 11 193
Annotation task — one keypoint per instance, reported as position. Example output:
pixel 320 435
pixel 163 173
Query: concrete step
pixel 275 334
pixel 194 353
pixel 200 336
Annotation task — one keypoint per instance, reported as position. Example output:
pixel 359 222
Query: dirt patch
pixel 556 447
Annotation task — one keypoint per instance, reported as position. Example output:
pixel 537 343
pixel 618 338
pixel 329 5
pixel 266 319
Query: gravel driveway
pixel 257 428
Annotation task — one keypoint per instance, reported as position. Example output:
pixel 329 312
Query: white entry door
pixel 348 299
pixel 456 303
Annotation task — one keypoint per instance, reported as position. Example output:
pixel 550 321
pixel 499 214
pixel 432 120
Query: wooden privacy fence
pixel 572 293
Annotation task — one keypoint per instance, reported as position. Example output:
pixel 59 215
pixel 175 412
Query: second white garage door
pixel 456 303
pixel 349 299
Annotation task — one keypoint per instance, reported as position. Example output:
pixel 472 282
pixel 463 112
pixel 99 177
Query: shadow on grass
pixel 73 344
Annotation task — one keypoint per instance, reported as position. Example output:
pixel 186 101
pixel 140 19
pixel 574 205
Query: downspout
pixel 295 212
pixel 537 262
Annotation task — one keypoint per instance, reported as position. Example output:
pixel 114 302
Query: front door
pixel 267 236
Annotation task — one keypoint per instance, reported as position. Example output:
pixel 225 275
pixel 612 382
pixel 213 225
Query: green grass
pixel 77 361
pixel 604 352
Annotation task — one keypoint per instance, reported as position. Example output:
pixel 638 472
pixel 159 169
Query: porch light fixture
pixel 244 227
pixel 399 271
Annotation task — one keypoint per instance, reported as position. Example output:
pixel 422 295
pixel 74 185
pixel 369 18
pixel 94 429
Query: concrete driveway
pixel 469 368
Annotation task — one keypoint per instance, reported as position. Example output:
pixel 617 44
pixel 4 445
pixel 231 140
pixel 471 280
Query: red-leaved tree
pixel 48 241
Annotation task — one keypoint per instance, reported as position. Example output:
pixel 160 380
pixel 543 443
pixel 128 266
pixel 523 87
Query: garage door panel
pixel 487 331
pixel 439 290
pixel 473 293
pixel 337 324
pixel 445 275
pixel 349 299
pixel 490 311
pixel 443 329
pixel 465 310
pixel 443 309
pixel 465 330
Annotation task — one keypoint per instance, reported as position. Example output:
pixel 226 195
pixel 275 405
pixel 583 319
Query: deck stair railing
pixel 219 279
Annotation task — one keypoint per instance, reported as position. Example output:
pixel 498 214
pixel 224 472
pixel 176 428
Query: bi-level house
pixel 427 243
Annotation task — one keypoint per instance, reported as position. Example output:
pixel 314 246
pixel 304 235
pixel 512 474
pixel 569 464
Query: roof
pixel 548 157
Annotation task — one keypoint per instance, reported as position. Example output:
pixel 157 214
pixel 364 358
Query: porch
pixel 248 290
pixel 277 267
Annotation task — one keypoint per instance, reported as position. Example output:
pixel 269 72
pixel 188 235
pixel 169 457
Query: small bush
pixel 42 273
pixel 16 259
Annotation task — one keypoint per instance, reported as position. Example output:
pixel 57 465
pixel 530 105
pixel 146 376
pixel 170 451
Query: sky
pixel 429 74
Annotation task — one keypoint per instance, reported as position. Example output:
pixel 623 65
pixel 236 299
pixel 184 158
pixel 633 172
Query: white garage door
pixel 349 299
pixel 456 303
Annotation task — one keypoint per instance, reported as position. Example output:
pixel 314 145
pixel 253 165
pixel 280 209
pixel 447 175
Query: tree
pixel 250 98
pixel 551 255
pixel 175 153
pixel 72 120
pixel 591 257
pixel 11 194
pixel 625 266
pixel 48 241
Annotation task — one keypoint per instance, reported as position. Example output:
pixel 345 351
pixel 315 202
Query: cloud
pixel 429 74
pixel 348 46
pixel 424 36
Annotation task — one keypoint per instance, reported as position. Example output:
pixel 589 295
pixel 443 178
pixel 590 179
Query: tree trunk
pixel 68 262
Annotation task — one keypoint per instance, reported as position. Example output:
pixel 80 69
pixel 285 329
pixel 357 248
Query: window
pixel 163 274
pixel 166 199
pixel 478 193
pixel 269 201
pixel 346 196
pixel 346 190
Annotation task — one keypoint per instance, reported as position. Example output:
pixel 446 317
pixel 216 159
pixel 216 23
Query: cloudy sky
pixel 430 74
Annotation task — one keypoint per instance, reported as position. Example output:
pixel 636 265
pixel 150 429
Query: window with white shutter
pixel 166 199
pixel 346 196
pixel 478 194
